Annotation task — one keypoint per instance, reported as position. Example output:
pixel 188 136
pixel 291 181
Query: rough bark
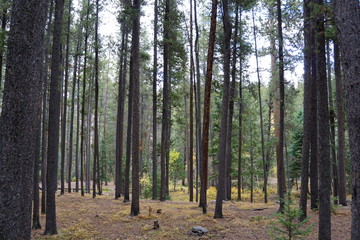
pixel 347 16
pixel 220 194
pixel 280 145
pixel 323 131
pixel 19 119
pixel 54 117
pixel 134 71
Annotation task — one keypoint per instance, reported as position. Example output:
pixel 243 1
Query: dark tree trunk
pixel 36 199
pixel 191 126
pixel 54 117
pixel 165 110
pixel 199 151
pixel 340 125
pixel 261 114
pixel 307 111
pixel 82 141
pixel 77 134
pixel 96 124
pixel 19 120
pixel 76 59
pixel 220 194
pixel 240 137
pixel 134 71
pixel 323 131
pixel 64 116
pixel 154 99
pixel 207 95
pixel 44 111
pixel 332 125
pixel 280 145
pixel 347 16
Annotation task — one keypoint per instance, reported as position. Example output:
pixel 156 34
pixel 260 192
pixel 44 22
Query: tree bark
pixel 54 116
pixel 19 118
pixel 347 16
pixel 134 71
pixel 220 194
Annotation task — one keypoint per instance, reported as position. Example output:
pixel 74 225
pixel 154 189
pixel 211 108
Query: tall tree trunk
pixel 347 16
pixel 154 100
pixel 64 116
pixel 165 110
pixel 77 134
pixel 261 114
pixel 134 71
pixel 20 121
pixel 82 150
pixel 240 137
pixel 220 194
pixel 96 124
pixel 307 110
pixel 340 124
pixel 323 131
pixel 207 95
pixel 76 59
pixel 44 110
pixel 332 125
pixel 198 105
pixel 191 99
pixel 280 145
pixel 54 117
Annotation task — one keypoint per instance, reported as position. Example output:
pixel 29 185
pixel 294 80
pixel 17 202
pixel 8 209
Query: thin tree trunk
pixel 64 116
pixel 280 145
pixel 154 86
pixel 72 115
pixel 240 137
pixel 96 124
pixel 44 111
pixel 134 71
pixel 82 150
pixel 340 125
pixel 77 134
pixel 36 199
pixel 332 125
pixel 307 111
pixel 191 126
pixel 261 113
pixel 54 117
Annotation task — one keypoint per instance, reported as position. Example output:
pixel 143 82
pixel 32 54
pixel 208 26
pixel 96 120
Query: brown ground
pixel 106 218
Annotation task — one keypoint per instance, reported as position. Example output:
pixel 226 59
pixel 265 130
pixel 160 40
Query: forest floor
pixel 106 218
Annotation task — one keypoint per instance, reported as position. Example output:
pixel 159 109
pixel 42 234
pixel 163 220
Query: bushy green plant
pixel 287 225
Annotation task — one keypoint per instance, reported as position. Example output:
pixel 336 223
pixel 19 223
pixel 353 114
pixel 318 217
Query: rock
pixel 198 231
pixel 156 225
pixel 158 211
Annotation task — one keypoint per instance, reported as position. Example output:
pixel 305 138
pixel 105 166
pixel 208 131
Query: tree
pixel 347 18
pixel 54 117
pixel 134 71
pixel 207 95
pixel 64 113
pixel 220 194
pixel 166 103
pixel 307 111
pixel 340 124
pixel 154 128
pixel 323 130
pixel 19 118
pixel 280 144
